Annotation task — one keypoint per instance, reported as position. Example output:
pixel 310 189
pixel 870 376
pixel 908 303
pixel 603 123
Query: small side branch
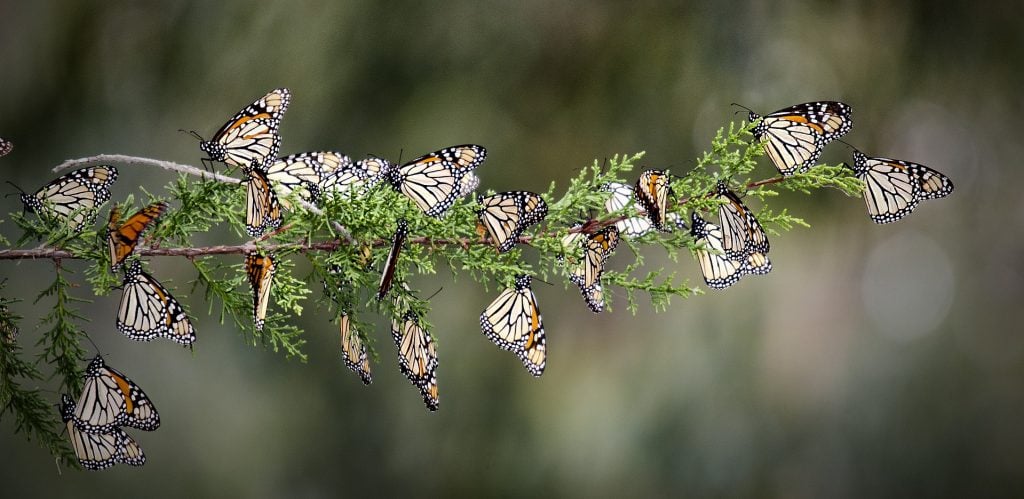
pixel 166 165
pixel 137 161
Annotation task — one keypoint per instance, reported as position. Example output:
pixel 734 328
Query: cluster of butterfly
pixel 793 139
pixel 109 401
pixel 795 136
pixel 433 182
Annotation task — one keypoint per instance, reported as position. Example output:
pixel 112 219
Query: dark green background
pixel 873 361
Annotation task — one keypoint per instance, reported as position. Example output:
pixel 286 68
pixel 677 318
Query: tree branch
pixel 589 226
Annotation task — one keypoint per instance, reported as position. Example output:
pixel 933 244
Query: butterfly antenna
pixel 93 344
pixel 192 133
pixel 435 293
pixel 848 144
pixel 16 187
pixel 535 278
pixel 743 107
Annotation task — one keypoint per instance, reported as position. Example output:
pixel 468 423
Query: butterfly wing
pixel 260 269
pixel 434 181
pixel 651 191
pixel 122 237
pixel 742 234
pixel 621 197
pixel 933 184
pixel 96 451
pixel 387 276
pixel 73 198
pixel 147 310
pixel 110 400
pixel 417 357
pixel 262 210
pixel 796 135
pixel 587 275
pixel 892 187
pixel 719 270
pixel 306 172
pixel 250 138
pixel 354 351
pixel 513 322
pixel 507 214
pixel 6 146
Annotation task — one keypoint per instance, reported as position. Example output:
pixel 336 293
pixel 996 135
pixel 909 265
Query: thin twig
pixel 166 165
pixel 137 161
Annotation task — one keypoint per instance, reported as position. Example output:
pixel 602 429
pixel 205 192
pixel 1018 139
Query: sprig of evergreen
pixel 346 240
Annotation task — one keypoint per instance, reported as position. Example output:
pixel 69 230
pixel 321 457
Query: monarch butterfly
pixel 434 181
pixel 96 451
pixel 894 187
pixel 742 234
pixel 652 191
pixel 797 134
pixel 596 249
pixel 388 274
pixel 417 357
pixel 306 172
pixel 74 197
pixel 250 139
pixel 360 177
pixel 260 270
pixel 512 321
pixel 354 351
pixel 507 214
pixel 122 237
pixel 148 310
pixel 262 210
pixel 719 270
pixel 6 146
pixel 110 400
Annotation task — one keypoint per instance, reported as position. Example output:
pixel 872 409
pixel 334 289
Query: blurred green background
pixel 873 361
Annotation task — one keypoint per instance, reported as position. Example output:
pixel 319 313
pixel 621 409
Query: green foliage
pixel 33 414
pixel 346 242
